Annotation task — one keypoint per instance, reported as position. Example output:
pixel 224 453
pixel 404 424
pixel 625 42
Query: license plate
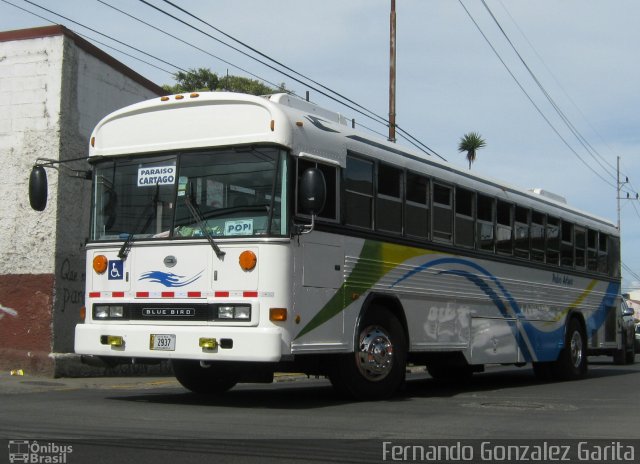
pixel 163 342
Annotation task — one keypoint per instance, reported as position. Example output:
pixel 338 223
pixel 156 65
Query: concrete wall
pixel 55 88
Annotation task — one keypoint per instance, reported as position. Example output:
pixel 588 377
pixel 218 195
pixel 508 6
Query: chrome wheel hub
pixel 576 349
pixel 374 357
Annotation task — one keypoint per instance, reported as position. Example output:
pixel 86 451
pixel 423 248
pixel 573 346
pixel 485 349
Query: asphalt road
pixel 303 420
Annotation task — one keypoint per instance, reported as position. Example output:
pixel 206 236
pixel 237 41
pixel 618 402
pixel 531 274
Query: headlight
pixel 116 311
pixel 225 312
pixel 108 312
pixel 101 312
pixel 234 312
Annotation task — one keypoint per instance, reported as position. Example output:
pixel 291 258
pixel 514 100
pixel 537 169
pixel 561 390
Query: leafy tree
pixel 470 143
pixel 203 79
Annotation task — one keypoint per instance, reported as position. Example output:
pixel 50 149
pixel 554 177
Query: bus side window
pixel 504 229
pixel 416 220
pixel 464 226
pixel 330 211
pixel 613 257
pixel 521 232
pixel 486 207
pixel 553 241
pixel 566 247
pixel 592 250
pixel 442 213
pixel 389 199
pixel 603 249
pixel 358 198
pixel 537 237
pixel 580 247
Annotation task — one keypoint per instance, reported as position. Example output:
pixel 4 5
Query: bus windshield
pixel 223 193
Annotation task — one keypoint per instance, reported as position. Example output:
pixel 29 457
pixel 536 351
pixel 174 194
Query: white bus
pixel 238 236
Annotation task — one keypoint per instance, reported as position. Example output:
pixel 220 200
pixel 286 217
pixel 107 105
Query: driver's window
pixel 330 210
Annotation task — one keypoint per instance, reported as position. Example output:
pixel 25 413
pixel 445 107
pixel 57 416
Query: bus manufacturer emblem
pixel 170 261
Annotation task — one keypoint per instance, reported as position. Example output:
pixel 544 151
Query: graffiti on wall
pixel 72 285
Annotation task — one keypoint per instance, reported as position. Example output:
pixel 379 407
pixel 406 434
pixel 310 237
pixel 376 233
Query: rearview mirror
pixel 313 191
pixel 38 188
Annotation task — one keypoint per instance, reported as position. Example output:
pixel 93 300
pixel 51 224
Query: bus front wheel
pixel 204 380
pixel 376 369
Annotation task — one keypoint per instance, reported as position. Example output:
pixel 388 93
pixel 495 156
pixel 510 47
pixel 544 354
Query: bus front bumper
pixel 241 344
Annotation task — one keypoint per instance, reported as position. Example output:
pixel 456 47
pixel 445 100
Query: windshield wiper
pixel 126 246
pixel 195 213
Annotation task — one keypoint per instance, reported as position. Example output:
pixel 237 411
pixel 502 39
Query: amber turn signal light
pixel 277 314
pixel 100 264
pixel 248 260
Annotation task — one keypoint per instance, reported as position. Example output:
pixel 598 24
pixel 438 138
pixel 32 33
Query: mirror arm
pixel 77 173
pixel 300 229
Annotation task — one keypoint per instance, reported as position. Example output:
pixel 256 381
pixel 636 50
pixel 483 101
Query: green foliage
pixel 203 79
pixel 470 143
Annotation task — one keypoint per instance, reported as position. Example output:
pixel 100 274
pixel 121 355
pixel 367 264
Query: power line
pixel 92 39
pixel 555 106
pixel 189 44
pixel 412 140
pixel 558 83
pixel 273 60
pixel 553 128
pixel 339 98
pixel 104 35
pixel 372 116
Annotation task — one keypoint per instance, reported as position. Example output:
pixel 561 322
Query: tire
pixel 625 355
pixel 377 368
pixel 204 380
pixel 630 355
pixel 572 363
pixel 620 356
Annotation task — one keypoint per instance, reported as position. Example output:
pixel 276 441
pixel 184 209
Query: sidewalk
pixel 19 384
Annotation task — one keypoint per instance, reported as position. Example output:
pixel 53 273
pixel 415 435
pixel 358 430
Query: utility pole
pixel 619 196
pixel 619 189
pixel 392 73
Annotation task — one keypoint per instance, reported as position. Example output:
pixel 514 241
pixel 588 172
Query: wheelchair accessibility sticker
pixel 116 269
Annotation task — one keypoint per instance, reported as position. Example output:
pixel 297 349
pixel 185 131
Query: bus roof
pixel 207 119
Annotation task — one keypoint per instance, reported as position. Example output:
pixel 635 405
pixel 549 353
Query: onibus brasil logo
pixel 29 451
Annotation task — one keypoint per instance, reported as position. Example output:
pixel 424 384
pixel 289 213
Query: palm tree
pixel 470 143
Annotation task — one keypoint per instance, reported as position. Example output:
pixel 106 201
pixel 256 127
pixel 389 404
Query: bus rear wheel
pixel 572 362
pixel 376 370
pixel 203 380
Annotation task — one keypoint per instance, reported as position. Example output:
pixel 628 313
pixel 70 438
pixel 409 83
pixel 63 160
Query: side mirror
pixel 313 191
pixel 38 188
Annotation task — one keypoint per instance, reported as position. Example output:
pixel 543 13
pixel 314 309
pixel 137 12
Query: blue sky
pixel 449 80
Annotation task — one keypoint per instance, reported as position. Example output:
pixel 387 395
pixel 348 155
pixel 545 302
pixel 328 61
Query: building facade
pixel 54 87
